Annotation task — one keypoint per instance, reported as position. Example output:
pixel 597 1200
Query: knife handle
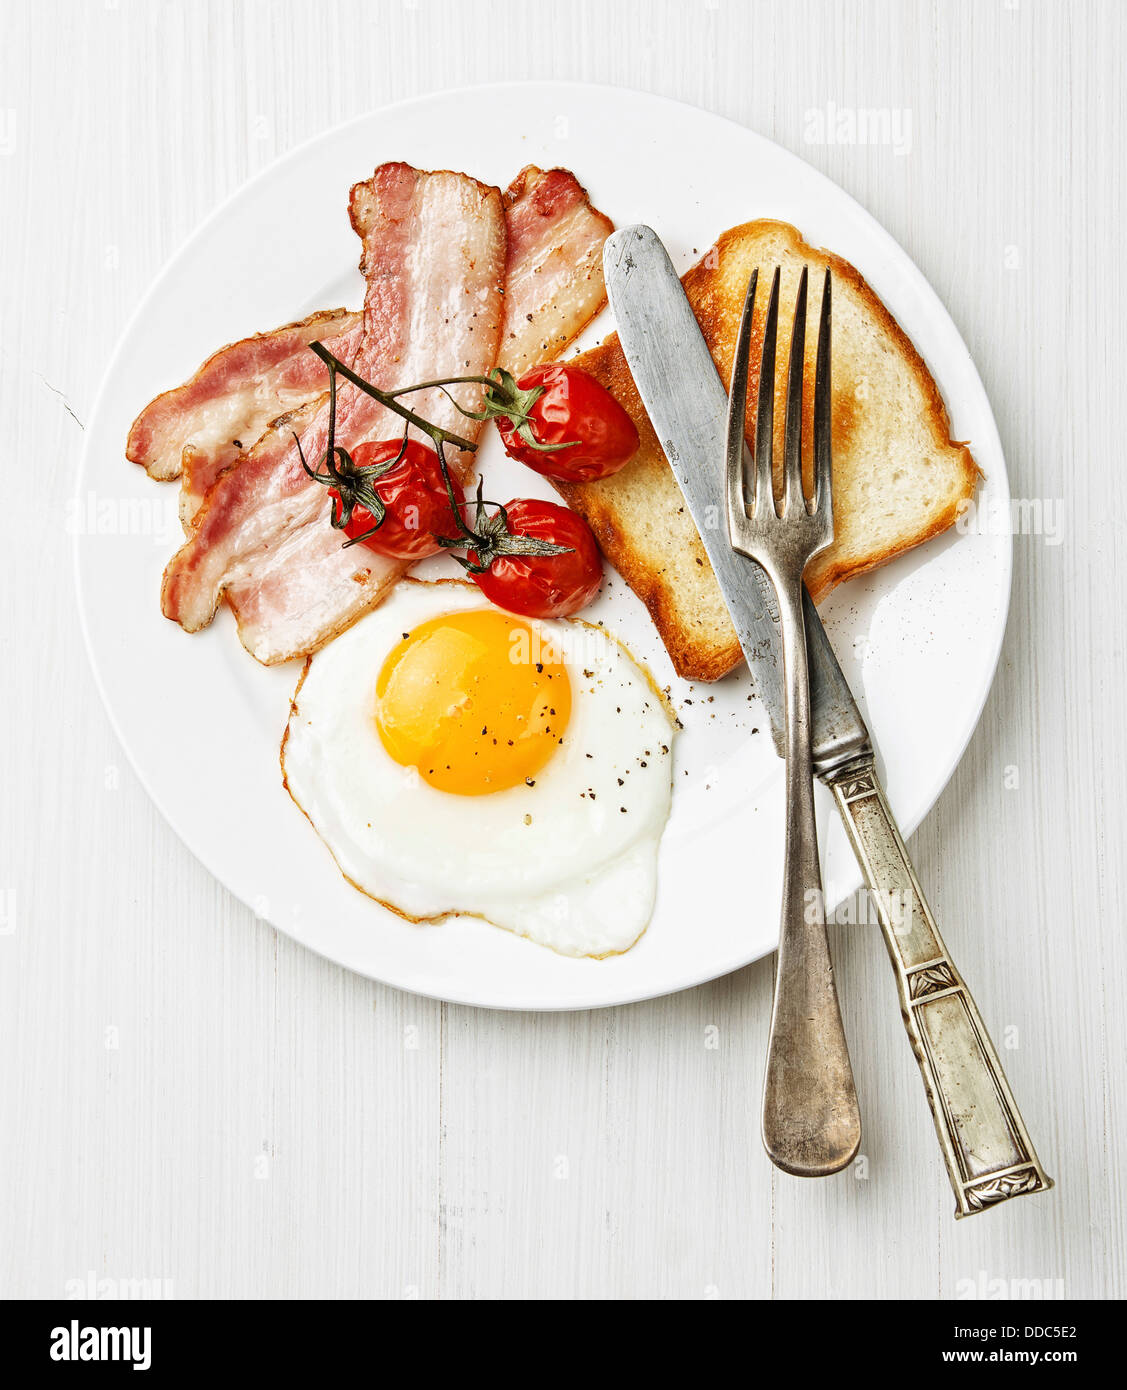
pixel 985 1144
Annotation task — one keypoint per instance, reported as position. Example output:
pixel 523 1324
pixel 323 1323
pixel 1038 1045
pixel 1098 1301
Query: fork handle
pixel 811 1120
pixel 985 1144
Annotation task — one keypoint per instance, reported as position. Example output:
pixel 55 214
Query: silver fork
pixel 811 1122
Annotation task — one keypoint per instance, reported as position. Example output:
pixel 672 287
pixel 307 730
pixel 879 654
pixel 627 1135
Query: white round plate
pixel 201 721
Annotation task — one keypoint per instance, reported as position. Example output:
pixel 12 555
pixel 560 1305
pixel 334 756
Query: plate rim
pixel 882 239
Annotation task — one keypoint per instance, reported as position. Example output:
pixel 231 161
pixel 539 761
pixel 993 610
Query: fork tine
pixel 823 415
pixel 736 444
pixel 792 439
pixel 765 409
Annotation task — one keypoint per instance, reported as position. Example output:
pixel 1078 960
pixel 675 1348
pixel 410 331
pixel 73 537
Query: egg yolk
pixel 476 701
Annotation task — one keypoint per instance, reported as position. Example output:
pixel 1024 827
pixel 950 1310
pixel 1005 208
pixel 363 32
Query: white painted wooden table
pixel 185 1095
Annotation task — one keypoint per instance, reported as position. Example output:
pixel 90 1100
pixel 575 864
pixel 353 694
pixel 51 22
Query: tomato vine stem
pixel 490 536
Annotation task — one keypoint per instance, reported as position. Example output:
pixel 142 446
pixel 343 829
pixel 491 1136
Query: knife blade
pixel 985 1145
pixel 687 405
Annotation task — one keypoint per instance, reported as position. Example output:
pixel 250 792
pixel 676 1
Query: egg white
pixel 570 862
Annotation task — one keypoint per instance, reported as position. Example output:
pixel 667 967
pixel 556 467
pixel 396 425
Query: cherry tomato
pixel 414 495
pixel 544 586
pixel 576 410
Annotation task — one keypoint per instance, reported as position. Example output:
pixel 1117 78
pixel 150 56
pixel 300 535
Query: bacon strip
pixel 230 401
pixel 554 280
pixel 434 256
pixel 299 379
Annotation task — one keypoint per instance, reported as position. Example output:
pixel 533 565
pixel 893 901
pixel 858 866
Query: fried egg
pixel 458 759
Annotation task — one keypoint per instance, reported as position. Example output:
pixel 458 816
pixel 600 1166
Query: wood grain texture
pixel 186 1095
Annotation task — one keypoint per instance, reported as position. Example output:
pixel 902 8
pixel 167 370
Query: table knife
pixel 986 1148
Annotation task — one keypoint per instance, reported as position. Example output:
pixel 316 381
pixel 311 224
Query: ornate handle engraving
pixel 985 1144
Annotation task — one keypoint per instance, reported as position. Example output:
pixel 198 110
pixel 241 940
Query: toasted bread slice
pixel 898 477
